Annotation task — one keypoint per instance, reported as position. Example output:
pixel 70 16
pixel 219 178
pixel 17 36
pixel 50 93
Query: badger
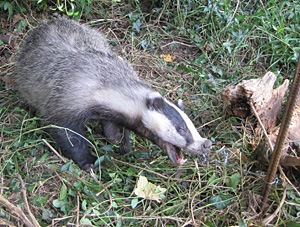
pixel 69 74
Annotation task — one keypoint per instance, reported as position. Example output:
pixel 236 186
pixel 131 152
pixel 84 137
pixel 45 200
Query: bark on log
pixel 267 102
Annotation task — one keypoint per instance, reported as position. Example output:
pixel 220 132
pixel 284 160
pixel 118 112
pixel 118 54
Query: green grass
pixel 215 43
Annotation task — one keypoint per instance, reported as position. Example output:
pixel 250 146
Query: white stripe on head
pixel 163 127
pixel 161 124
pixel 196 136
pixel 198 143
pixel 180 104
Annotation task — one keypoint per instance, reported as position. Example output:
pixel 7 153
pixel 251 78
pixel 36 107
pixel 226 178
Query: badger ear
pixel 180 104
pixel 154 102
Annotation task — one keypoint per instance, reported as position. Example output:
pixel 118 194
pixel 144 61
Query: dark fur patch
pixel 174 116
pixel 73 145
pixel 155 103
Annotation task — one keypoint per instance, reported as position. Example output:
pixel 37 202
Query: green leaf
pixel 112 175
pixel 213 180
pixel 68 167
pixel 32 125
pixel 220 201
pixel 291 224
pixel 227 44
pixel 85 222
pixel 209 224
pixel 233 120
pixel 43 158
pixel 72 193
pixel 58 203
pixel 107 148
pixel 242 223
pixel 84 205
pixel 7 6
pixel 234 181
pixel 114 205
pixel 186 68
pixel 137 25
pixel 63 192
pixel 130 171
pixel 119 220
pixel 99 160
pixel 78 185
pixel 47 215
pixel 134 203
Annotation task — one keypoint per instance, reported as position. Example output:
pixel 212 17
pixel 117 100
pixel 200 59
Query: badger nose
pixel 199 147
pixel 207 144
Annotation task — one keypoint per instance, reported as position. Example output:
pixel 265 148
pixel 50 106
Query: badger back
pixel 62 64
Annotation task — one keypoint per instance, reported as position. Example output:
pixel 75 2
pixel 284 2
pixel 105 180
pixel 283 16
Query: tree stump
pixel 267 103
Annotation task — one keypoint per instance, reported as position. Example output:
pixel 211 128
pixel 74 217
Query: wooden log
pixel 266 100
pixel 268 103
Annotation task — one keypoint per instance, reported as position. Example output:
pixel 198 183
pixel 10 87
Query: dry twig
pixel 55 151
pixel 16 210
pixel 26 205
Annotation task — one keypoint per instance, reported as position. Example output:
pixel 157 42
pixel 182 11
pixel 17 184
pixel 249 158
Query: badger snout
pixel 199 146
pixel 207 144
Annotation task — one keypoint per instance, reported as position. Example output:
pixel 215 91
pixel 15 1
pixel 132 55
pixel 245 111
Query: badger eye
pixel 181 130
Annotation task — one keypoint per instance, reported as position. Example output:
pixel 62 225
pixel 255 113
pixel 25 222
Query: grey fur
pixel 69 74
pixel 57 56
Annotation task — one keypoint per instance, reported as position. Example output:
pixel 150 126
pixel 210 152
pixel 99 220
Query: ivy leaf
pixel 213 180
pixel 220 201
pixel 147 190
pixel 85 222
pixel 84 205
pixel 134 203
pixel 137 25
pixel 63 192
pixel 58 203
pixel 234 181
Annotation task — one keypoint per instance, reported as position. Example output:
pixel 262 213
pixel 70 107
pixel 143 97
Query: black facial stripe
pixel 174 116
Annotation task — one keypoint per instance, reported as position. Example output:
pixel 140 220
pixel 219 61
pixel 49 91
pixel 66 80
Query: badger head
pixel 173 127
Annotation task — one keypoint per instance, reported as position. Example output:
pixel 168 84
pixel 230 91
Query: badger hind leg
pixel 117 135
pixel 74 146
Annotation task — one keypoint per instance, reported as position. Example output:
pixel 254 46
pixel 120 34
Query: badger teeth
pixel 181 161
pixel 175 154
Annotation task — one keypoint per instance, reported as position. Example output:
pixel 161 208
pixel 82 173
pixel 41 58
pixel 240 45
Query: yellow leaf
pixel 147 190
pixel 168 57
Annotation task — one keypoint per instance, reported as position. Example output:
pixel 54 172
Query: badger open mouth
pixel 175 154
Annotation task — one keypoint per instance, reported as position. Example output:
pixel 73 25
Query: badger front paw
pixel 87 163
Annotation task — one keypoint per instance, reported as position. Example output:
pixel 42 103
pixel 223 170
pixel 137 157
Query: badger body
pixel 68 72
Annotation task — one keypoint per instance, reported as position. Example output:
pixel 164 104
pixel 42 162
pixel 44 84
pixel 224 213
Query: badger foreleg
pixel 117 135
pixel 73 145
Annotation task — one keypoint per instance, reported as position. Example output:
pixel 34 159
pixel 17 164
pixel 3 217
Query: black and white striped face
pixel 174 127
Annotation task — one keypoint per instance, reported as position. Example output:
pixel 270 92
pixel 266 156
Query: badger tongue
pixel 175 154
